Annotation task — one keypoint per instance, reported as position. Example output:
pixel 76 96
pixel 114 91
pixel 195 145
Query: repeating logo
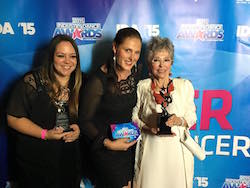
pixel 243 34
pixel 243 2
pixel 202 31
pixel 242 182
pixel 26 28
pixel 146 31
pixel 201 181
pixel 80 30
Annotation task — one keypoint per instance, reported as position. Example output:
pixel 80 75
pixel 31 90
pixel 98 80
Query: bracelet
pixel 43 134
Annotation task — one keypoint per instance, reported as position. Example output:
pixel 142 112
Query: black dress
pixel 99 108
pixel 42 163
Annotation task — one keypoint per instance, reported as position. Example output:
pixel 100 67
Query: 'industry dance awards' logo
pixel 242 182
pixel 243 2
pixel 202 31
pixel 80 30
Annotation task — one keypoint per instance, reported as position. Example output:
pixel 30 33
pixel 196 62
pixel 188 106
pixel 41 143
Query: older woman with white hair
pixel 164 105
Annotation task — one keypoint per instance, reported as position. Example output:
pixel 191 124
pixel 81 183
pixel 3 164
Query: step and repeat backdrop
pixel 212 49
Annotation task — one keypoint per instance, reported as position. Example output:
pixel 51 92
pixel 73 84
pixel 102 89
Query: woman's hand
pixel 28 127
pixel 150 130
pixel 174 120
pixel 121 144
pixel 72 135
pixel 55 134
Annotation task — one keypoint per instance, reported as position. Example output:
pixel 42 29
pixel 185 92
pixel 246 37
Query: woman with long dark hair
pixel 109 98
pixel 43 109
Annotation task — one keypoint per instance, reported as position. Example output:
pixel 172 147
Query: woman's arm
pixel 137 109
pixel 27 127
pixel 89 103
pixel 190 108
pixel 19 110
pixel 90 98
pixel 121 144
pixel 189 118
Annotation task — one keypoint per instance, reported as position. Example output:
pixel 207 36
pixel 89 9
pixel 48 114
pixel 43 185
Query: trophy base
pixel 164 130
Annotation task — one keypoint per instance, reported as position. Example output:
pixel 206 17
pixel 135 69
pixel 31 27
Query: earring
pixel 114 61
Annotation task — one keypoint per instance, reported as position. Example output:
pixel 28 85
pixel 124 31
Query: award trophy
pixel 164 115
pixel 62 118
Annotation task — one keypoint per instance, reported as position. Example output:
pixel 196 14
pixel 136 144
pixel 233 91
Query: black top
pixel 99 108
pixel 50 163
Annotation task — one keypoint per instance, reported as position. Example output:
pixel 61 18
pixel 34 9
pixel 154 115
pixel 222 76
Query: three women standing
pixel 48 155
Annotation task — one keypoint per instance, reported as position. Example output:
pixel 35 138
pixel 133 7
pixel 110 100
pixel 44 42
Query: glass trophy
pixel 62 117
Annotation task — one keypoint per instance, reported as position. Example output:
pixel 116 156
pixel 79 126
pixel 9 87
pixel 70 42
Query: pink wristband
pixel 43 134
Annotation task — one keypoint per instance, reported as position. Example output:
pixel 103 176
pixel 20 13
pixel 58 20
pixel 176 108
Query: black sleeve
pixel 20 99
pixel 90 98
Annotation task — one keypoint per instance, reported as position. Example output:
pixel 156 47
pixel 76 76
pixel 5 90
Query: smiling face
pixel 127 53
pixel 161 64
pixel 65 59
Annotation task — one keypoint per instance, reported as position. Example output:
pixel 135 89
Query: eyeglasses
pixel 157 61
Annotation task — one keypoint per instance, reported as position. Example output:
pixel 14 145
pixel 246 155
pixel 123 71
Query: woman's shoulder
pixel 145 83
pixel 100 73
pixel 24 85
pixel 34 79
pixel 96 78
pixel 182 82
pixel 29 78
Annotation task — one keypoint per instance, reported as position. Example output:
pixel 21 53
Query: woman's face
pixel 127 53
pixel 65 59
pixel 161 64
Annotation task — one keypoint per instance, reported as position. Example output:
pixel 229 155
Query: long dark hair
pixel 120 37
pixel 48 75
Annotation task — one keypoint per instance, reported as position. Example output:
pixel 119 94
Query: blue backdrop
pixel 212 49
